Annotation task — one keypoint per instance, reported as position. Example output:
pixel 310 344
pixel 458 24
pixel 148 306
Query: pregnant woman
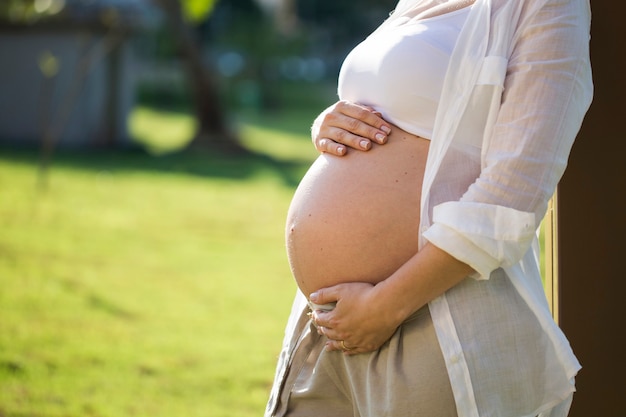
pixel 412 238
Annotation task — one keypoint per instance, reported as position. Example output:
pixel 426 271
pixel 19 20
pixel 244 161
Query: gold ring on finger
pixel 344 347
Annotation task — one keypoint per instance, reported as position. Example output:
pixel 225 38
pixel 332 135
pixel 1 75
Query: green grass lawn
pixel 143 284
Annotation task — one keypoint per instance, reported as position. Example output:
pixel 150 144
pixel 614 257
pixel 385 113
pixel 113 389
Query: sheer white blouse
pixel 522 68
pixel 517 89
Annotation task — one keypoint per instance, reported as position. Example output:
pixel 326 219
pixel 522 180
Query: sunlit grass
pixel 138 285
pixel 283 136
pixel 161 131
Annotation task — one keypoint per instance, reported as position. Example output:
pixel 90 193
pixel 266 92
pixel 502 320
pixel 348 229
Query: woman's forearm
pixel 424 277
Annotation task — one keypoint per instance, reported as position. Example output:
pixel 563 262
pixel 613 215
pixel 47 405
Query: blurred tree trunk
pixel 286 16
pixel 213 130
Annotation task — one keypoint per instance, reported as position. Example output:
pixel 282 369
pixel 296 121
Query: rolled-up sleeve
pixel 547 91
pixel 484 236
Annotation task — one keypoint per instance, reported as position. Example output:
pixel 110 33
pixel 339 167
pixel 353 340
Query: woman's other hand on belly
pixel 367 315
pixel 356 319
pixel 348 125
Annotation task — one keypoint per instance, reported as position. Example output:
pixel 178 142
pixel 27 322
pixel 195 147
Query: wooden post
pixel 591 219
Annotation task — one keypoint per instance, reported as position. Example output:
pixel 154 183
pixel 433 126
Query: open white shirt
pixel 521 68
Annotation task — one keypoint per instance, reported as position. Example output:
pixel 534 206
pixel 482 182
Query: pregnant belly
pixel 356 218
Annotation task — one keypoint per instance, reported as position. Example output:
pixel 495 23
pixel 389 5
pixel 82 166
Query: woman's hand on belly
pixel 353 319
pixel 348 125
pixel 367 315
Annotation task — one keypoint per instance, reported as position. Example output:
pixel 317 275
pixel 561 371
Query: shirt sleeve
pixel 547 91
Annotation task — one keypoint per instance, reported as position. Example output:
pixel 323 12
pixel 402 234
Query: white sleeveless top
pixel 399 70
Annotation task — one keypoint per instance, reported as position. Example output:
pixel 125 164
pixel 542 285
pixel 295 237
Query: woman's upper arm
pixel 547 92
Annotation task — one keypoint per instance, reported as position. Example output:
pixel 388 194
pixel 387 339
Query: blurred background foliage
pixel 212 58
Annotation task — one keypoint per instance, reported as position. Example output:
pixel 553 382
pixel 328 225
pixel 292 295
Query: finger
pixel 354 132
pixel 351 135
pixel 333 138
pixel 336 345
pixel 373 110
pixel 331 327
pixel 372 126
pixel 345 347
pixel 331 147
pixel 333 345
pixel 322 321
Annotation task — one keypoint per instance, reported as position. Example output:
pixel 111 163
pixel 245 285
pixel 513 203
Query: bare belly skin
pixel 356 218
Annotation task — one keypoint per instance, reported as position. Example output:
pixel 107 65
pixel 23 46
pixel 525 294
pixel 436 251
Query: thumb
pixel 324 296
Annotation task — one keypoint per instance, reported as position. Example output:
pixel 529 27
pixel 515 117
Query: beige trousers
pixel 406 377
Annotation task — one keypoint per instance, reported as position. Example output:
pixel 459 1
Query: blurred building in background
pixel 68 70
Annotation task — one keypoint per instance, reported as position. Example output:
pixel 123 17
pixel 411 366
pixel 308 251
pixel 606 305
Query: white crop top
pixel 399 69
